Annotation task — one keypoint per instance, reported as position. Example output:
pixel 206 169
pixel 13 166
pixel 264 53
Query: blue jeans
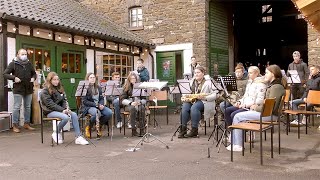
pixel 192 110
pixel 297 102
pixel 116 106
pixel 106 114
pixel 65 118
pixel 246 116
pixel 17 98
pixel 231 112
pixel 222 106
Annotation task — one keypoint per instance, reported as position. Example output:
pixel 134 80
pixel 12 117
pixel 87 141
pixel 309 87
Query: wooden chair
pixel 312 98
pixel 45 119
pixel 268 107
pixel 277 121
pixel 160 96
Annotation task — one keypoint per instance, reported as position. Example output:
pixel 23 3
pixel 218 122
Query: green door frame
pixel 56 50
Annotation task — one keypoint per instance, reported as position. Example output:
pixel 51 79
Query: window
pixel 135 18
pixel 71 63
pixel 117 63
pixel 40 58
pixel 266 13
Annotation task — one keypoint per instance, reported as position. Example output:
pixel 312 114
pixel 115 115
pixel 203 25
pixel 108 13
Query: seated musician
pixel 93 104
pixel 55 105
pixel 115 99
pixel 275 89
pixel 313 83
pixel 254 95
pixel 134 104
pixel 202 100
pixel 241 87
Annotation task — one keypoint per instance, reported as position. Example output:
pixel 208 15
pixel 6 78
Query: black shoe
pixel 134 132
pixel 193 133
pixel 182 132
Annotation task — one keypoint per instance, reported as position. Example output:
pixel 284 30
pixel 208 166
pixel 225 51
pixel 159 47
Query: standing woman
pixel 133 103
pixel 54 104
pixel 93 104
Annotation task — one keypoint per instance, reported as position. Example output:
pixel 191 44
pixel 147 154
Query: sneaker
pixel 81 140
pixel 119 124
pixel 304 119
pixel 236 148
pixel 28 127
pixel 295 122
pixel 15 128
pixel 54 137
pixel 129 126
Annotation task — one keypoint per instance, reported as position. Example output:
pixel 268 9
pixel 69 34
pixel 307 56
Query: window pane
pixel 139 11
pixel 134 24
pixel 134 11
pixel 78 63
pixel 140 23
pixel 64 63
pixel 38 59
pixel 47 61
pixel 71 63
pixel 140 17
pixel 30 54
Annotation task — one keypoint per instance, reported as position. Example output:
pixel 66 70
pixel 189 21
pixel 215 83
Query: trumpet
pixel 192 97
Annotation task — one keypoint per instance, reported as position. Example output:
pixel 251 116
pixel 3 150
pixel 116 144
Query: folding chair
pixel 312 98
pixel 268 107
pixel 159 96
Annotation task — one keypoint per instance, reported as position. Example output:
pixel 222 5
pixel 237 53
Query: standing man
pixel 22 73
pixel 303 71
pixel 115 99
pixel 142 71
pixel 193 65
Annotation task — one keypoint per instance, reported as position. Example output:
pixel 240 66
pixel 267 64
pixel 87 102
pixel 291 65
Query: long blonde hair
pixel 127 84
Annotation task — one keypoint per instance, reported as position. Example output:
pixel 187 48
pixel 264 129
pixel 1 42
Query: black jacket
pixel 23 72
pixel 88 102
pixel 302 69
pixel 52 102
pixel 312 84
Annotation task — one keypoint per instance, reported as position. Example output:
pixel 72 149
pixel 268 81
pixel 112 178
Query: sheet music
pixel 113 91
pixel 294 77
pixel 82 88
pixel 153 85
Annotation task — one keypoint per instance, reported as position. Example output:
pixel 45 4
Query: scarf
pixel 20 61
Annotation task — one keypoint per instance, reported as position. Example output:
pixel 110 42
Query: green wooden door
pixel 166 67
pixel 71 69
pixel 218 39
pixel 40 52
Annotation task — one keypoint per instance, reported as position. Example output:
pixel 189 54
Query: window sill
pixel 136 28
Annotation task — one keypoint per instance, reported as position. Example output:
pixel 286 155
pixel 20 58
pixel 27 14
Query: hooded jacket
pixel 255 92
pixel 302 69
pixel 24 73
pixel 312 84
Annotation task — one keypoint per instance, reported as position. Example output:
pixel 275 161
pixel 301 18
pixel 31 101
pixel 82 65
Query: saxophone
pixel 192 98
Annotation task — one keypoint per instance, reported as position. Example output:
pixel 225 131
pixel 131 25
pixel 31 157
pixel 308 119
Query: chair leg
pixel 261 160
pixel 271 142
pixel 265 135
pixel 57 132
pixel 307 118
pixel 299 126
pixel 250 141
pixel 231 145
pixel 243 134
pixel 41 130
pixel 167 116
pixel 205 127
pixel 279 136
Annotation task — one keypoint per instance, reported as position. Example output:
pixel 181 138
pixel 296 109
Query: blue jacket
pixel 143 74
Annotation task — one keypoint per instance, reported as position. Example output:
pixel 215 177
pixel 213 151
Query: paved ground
pixel 22 156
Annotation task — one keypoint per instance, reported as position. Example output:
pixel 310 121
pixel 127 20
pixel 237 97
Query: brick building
pixel 217 32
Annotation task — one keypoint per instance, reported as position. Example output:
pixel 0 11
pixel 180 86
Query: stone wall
pixel 165 21
pixel 313 46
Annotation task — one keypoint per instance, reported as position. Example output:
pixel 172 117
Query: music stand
pixel 183 87
pixel 187 76
pixel 81 91
pixel 145 89
pixel 228 83
pixel 293 79
pixel 112 89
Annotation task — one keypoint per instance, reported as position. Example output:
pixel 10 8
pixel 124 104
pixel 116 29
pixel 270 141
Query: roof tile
pixel 68 13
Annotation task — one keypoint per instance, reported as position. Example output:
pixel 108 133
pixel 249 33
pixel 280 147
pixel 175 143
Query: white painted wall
pixel 90 60
pixel 11 54
pixel 187 49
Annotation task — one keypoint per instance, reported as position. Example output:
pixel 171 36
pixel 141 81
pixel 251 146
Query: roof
pixel 68 15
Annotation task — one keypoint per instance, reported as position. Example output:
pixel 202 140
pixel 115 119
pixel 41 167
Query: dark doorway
pixel 268 31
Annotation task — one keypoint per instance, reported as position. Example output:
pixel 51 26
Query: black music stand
pixel 112 89
pixel 228 83
pixel 144 90
pixel 183 87
pixel 293 79
pixel 81 91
